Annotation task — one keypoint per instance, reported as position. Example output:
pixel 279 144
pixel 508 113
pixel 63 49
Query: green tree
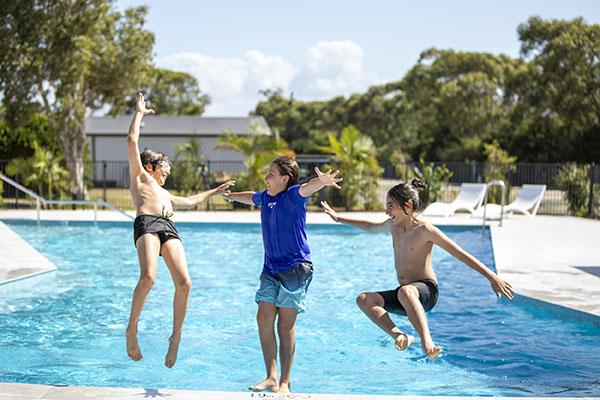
pixel 76 56
pixel 354 155
pixel 557 115
pixel 455 102
pixel 19 141
pixel 43 171
pixel 172 93
pixel 259 147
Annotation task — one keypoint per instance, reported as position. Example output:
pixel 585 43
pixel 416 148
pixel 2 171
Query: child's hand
pixel 329 211
pixel 141 105
pixel 329 179
pixel 500 287
pixel 222 189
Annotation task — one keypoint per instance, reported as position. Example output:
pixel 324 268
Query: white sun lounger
pixel 527 202
pixel 468 199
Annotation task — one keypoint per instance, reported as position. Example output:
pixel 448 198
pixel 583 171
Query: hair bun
pixel 418 184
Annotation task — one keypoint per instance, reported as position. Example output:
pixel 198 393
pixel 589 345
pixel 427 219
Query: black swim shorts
pixel 428 295
pixel 148 223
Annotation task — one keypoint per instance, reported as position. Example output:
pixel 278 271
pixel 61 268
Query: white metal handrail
pixel 485 200
pixel 39 200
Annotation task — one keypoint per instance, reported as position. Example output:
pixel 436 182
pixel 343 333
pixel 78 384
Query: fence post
pixel 104 181
pixel 473 171
pixel 206 178
pixel 592 174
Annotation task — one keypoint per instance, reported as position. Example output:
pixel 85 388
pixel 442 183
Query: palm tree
pixel 259 148
pixel 189 169
pixel 42 169
pixel 354 155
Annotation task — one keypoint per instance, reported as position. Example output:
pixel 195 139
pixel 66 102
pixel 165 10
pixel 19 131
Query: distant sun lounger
pixel 470 196
pixel 527 202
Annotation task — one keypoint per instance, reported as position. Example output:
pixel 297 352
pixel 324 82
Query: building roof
pixel 173 125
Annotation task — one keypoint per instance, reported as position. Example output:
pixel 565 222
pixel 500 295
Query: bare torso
pixel 148 197
pixel 412 252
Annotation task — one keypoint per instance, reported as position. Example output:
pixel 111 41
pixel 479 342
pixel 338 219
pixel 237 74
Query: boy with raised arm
pixel 413 241
pixel 287 269
pixel 155 233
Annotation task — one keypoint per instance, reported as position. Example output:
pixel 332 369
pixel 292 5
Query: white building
pixel 107 139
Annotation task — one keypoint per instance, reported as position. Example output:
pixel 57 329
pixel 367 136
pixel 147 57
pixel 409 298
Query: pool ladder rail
pixel 485 200
pixel 39 200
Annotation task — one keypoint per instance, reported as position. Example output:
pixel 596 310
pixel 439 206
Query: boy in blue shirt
pixel 287 270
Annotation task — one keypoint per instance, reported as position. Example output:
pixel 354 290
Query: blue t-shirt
pixel 283 219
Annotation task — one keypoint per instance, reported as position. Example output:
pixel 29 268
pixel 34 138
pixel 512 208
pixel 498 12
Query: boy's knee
pixel 264 320
pixel 147 281
pixel 362 300
pixel 407 292
pixel 184 284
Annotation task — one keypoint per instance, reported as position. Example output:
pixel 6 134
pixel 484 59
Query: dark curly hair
pixel 403 192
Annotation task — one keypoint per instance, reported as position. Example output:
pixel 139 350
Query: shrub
pixel 434 177
pixel 574 181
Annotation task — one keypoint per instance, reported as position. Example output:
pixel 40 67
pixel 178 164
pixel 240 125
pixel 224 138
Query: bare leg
pixel 266 330
pixel 148 249
pixel 286 326
pixel 372 305
pixel 408 296
pixel 174 256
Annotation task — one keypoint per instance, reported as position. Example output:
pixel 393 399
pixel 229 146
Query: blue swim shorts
pixel 287 288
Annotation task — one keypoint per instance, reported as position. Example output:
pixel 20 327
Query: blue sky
pixel 322 49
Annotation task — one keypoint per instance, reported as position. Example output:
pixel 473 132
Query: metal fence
pixel 109 181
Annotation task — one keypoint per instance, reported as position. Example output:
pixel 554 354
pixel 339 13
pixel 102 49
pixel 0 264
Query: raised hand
pixel 330 211
pixel 328 178
pixel 141 105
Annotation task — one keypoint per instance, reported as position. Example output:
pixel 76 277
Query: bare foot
pixel 133 349
pixel 431 350
pixel 284 388
pixel 403 341
pixel 171 356
pixel 269 383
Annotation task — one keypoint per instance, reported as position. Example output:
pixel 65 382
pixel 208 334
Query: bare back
pixel 412 252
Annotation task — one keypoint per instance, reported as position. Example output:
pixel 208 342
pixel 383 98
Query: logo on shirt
pixel 271 205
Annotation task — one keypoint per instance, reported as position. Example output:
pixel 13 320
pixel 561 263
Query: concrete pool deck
pixel 552 263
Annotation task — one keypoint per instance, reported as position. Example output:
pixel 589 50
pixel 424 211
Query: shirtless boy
pixel 155 233
pixel 413 241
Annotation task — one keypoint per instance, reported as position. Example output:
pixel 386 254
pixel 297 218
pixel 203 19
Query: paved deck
pixel 551 262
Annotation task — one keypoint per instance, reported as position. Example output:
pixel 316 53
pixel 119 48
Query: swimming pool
pixel 66 327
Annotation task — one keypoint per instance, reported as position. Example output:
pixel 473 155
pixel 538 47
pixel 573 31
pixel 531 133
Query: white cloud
pixel 331 69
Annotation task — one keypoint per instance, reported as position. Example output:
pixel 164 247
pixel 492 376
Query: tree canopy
pixel 541 107
pixel 73 57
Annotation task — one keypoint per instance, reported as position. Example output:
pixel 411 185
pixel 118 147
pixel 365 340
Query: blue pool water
pixel 67 327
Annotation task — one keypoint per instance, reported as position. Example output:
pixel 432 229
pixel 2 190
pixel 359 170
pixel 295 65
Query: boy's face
pixel 162 169
pixel 395 211
pixel 275 181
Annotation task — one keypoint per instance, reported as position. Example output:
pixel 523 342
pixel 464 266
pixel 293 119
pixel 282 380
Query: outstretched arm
pixel 242 197
pixel 318 183
pixel 499 286
pixel 133 151
pixel 200 197
pixel 368 226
